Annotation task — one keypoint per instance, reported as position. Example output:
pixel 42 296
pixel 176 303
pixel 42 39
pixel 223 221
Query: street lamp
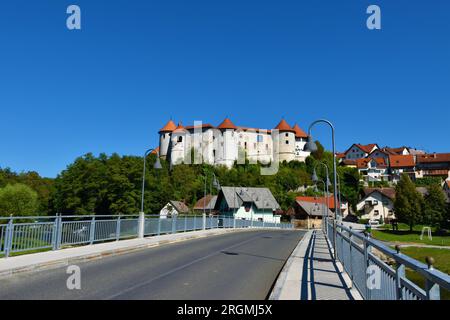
pixel 214 183
pixel 325 189
pixel 156 166
pixel 326 183
pixel 312 147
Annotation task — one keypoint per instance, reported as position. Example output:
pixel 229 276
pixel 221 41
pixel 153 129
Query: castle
pixel 228 143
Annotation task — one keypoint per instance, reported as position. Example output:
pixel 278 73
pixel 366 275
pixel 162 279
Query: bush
pixel 18 200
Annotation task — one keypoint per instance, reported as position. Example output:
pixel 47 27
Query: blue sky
pixel 135 64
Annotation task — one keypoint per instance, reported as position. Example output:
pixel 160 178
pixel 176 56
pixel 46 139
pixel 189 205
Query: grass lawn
pixel 442 263
pixel 403 235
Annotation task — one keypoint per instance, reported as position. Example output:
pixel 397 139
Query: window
pixel 214 153
pixel 267 146
pixel 259 138
pixel 245 144
pixel 180 139
pixel 376 212
pixel 287 134
pixel 287 141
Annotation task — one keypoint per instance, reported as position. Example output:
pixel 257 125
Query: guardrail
pixel 21 234
pixel 374 278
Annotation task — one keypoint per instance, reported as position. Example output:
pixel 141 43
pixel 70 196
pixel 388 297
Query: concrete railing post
pixel 141 224
pixel 204 221
pixel 118 229
pixel 92 231
pixel 9 237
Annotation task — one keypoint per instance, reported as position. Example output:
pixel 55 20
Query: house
pixel 310 214
pixel 248 204
pixel 377 203
pixel 326 201
pixel 226 143
pixel 373 169
pixel 359 151
pixel 433 165
pixel 401 151
pixel 399 164
pixel 173 208
pixel 206 204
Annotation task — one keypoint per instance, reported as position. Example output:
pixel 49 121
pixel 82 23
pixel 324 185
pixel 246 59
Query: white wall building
pixel 377 203
pixel 227 143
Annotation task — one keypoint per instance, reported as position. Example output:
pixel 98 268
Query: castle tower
pixel 227 152
pixel 164 139
pixel 300 141
pixel 286 141
pixel 179 145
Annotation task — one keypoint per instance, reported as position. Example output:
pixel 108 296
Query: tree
pixel 435 206
pixel 18 200
pixel 408 202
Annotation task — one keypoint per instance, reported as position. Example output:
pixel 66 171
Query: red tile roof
pixel 318 200
pixel 434 157
pixel 227 124
pixel 388 192
pixel 349 162
pixel 364 162
pixel 394 150
pixel 299 133
pixel 340 155
pixel 179 128
pixel 367 148
pixel 400 161
pixel 284 126
pixel 169 127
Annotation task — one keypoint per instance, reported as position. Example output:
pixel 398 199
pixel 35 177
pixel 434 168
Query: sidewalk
pixel 311 274
pixel 63 257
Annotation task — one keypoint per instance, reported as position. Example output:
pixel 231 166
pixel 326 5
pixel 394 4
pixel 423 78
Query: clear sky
pixel 135 64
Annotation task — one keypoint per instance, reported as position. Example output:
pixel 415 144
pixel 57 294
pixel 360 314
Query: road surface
pixel 239 265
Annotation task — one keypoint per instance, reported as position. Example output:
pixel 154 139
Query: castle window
pixel 267 146
pixel 259 138
pixel 287 141
pixel 214 153
pixel 245 145
pixel 180 139
pixel 287 134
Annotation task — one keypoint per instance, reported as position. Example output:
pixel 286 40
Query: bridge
pixel 203 257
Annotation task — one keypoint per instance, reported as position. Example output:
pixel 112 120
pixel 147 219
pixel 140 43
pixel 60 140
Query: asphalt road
pixel 240 265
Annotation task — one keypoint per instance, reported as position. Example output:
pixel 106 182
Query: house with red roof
pixel 433 165
pixel 377 204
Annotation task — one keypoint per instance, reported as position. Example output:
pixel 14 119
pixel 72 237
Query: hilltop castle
pixel 227 143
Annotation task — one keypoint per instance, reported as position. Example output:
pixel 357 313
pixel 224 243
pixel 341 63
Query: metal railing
pixel 22 234
pixel 374 278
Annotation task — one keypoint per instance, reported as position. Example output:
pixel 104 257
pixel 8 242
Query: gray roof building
pixel 235 197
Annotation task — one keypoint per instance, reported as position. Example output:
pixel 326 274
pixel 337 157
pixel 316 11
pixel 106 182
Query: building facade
pixel 227 143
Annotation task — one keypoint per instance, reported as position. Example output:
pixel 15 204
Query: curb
pixel 111 252
pixel 288 283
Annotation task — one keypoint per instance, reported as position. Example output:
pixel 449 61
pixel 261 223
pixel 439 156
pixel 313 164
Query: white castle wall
pixel 221 147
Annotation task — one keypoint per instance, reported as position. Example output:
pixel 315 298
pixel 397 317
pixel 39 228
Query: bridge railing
pixel 374 278
pixel 31 234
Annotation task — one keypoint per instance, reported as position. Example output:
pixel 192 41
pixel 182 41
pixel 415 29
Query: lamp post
pixel 156 166
pixel 311 146
pixel 325 189
pixel 327 182
pixel 214 183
